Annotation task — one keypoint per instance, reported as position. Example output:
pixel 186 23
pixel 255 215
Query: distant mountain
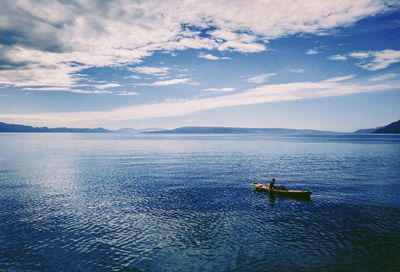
pixel 366 130
pixel 4 127
pixel 134 131
pixel 391 128
pixel 236 130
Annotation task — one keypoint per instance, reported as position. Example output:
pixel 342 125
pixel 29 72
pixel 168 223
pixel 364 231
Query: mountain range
pixel 392 128
pixel 4 127
pixel 236 130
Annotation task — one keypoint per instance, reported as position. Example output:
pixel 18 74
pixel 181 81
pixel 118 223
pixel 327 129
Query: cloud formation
pixel 182 107
pixel 259 79
pixel 147 70
pixel 338 79
pixel 52 42
pixel 376 60
pixel 167 82
pixel 220 90
pixel 108 85
pixel 211 57
pixel 126 93
pixel 372 60
pixel 337 57
pixel 312 51
pixel 384 77
pixel 296 70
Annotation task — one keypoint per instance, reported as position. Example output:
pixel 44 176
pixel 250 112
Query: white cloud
pixel 312 52
pixel 211 57
pixel 296 70
pixel 147 70
pixel 182 107
pixel 341 78
pixel 241 42
pixel 337 57
pixel 134 77
pixel 259 79
pixel 220 90
pixel 46 89
pixel 40 69
pixel 108 85
pixel 372 60
pixel 376 60
pixel 242 47
pixel 90 92
pixel 167 82
pixel 125 93
pixel 64 89
pixel 100 89
pixel 384 77
pixel 359 55
pixel 53 37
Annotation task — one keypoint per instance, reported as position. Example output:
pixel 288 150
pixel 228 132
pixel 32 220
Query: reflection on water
pixel 272 197
pixel 93 202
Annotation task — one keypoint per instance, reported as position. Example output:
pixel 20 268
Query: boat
pixel 282 192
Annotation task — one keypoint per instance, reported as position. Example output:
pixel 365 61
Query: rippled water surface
pixel 101 202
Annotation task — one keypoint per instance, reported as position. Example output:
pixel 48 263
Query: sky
pixel 310 64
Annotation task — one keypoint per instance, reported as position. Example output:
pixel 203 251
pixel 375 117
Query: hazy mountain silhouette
pixel 237 130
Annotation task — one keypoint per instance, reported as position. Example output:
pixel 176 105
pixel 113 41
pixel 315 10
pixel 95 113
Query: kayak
pixel 293 193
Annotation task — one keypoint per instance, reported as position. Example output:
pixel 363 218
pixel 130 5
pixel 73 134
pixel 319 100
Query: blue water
pixel 102 202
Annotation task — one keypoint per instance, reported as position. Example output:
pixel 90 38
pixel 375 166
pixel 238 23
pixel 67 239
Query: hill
pixel 391 128
pixel 236 130
pixel 366 130
pixel 4 127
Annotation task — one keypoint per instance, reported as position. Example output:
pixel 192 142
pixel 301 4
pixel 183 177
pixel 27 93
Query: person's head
pixel 273 179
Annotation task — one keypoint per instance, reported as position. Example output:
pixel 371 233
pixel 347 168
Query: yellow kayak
pixel 294 193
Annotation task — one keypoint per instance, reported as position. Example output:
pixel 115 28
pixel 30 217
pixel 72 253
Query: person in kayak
pixel 271 184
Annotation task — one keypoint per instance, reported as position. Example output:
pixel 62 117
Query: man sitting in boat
pixel 271 184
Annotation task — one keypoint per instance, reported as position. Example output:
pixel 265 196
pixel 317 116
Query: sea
pixel 159 202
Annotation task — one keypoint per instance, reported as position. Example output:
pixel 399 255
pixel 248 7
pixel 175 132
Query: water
pixel 101 202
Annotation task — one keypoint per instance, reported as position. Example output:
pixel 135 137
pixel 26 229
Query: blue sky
pixel 140 64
